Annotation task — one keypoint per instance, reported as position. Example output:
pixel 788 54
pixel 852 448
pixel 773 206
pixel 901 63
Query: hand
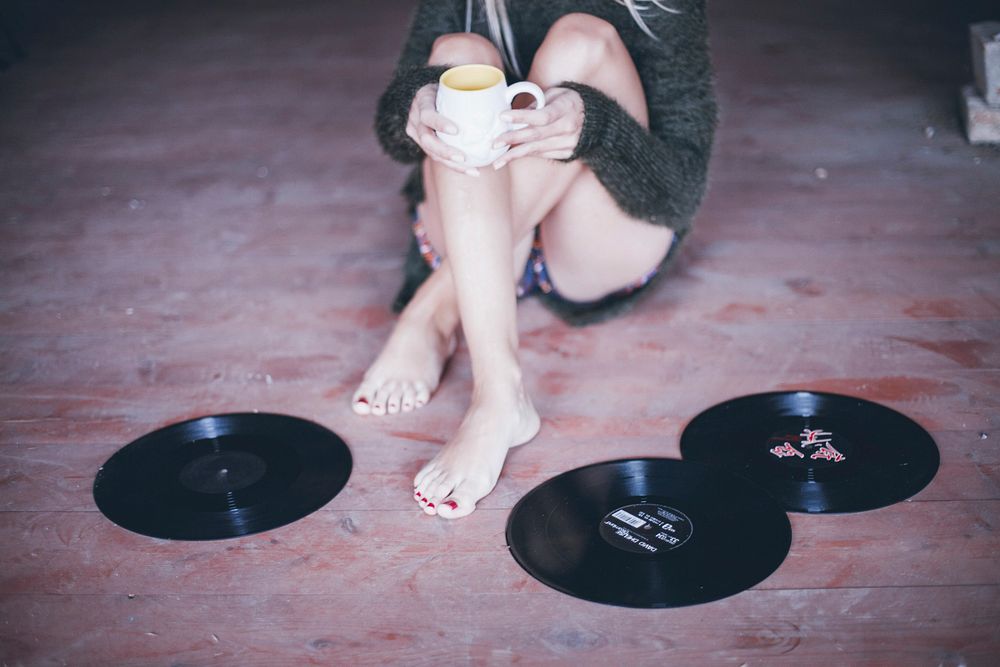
pixel 553 131
pixel 421 125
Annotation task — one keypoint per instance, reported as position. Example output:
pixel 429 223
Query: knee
pixel 575 44
pixel 462 48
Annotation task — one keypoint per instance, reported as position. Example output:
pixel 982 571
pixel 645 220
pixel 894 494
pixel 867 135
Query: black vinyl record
pixel 222 476
pixel 648 533
pixel 816 452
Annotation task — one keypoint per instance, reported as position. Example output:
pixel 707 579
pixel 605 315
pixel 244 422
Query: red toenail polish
pixel 423 500
pixel 417 494
pixel 452 504
pixel 363 400
pixel 430 504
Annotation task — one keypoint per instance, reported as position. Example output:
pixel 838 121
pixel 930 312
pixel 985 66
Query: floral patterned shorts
pixel 535 279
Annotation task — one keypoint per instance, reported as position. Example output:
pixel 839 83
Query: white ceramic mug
pixel 473 97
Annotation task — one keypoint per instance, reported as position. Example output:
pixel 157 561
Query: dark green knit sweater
pixel 656 175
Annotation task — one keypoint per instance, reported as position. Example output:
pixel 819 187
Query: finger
pixel 468 171
pixel 413 118
pixel 425 108
pixel 437 149
pixel 552 145
pixel 533 117
pixel 423 111
pixel 526 135
pixel 558 154
pixel 428 92
pixel 434 120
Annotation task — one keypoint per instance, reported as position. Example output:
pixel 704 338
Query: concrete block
pixel 985 38
pixel 982 122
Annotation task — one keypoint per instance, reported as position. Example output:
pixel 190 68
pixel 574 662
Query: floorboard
pixel 195 218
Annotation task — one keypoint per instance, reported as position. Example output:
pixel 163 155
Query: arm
pixel 432 19
pixel 656 175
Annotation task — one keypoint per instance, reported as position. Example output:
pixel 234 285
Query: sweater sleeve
pixel 657 175
pixel 431 19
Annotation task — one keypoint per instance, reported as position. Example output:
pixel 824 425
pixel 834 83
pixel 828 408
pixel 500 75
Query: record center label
pixel 645 528
pixel 222 472
pixel 811 448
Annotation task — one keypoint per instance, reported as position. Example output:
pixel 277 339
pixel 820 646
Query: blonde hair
pixel 502 35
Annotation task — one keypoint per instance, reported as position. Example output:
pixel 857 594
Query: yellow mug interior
pixel 471 77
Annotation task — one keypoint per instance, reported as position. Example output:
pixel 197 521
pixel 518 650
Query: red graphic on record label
pixel 828 453
pixel 786 450
pixel 814 437
pixel 817 440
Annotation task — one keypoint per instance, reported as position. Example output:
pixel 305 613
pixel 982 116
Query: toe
pixel 418 480
pixel 361 402
pixel 440 489
pixel 395 399
pixel 409 398
pixel 425 504
pixel 428 482
pixel 456 505
pixel 422 394
pixel 381 399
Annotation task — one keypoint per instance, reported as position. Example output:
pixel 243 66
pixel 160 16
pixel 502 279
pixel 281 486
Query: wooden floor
pixel 196 219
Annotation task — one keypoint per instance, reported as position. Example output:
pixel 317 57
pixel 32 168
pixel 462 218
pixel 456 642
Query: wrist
pixel 594 122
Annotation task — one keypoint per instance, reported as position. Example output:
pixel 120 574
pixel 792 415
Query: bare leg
pixel 470 463
pixel 579 48
pixel 476 221
pixel 408 370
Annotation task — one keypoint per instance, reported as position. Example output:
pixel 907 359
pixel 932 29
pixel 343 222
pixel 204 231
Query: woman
pixel 584 210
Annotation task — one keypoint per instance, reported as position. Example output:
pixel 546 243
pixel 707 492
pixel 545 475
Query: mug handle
pixel 525 87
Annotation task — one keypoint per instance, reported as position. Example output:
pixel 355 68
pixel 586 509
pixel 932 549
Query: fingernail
pixel 472 172
pixel 452 504
pixel 505 117
pixel 498 165
pixel 498 144
pixel 457 157
pixel 453 129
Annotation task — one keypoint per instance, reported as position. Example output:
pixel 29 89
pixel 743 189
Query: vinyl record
pixel 648 533
pixel 816 452
pixel 222 476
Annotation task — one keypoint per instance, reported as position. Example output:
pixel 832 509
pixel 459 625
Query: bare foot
pixel 468 466
pixel 407 371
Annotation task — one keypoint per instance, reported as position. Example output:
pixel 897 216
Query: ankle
pixel 427 319
pixel 504 387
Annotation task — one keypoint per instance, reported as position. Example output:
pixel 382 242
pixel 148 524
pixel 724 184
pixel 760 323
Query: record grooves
pixel 648 533
pixel 222 476
pixel 815 452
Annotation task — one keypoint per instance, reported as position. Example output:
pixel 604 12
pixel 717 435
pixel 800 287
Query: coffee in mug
pixel 473 97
